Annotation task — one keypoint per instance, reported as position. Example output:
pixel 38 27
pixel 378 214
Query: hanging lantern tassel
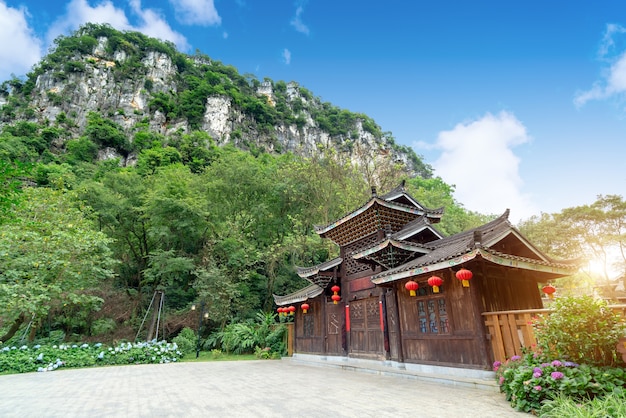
pixel 305 307
pixel 435 282
pixel 464 275
pixel 411 286
pixel 549 290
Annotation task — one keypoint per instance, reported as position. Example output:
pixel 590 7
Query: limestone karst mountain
pixel 140 86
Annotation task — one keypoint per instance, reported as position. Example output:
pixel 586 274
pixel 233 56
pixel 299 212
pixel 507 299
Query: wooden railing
pixel 509 331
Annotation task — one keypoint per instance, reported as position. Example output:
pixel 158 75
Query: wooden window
pixel 309 328
pixel 432 313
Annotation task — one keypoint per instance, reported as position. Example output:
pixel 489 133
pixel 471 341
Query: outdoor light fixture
pixel 464 275
pixel 435 282
pixel 411 286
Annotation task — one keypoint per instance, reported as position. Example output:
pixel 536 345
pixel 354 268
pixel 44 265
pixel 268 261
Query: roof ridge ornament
pixel 374 191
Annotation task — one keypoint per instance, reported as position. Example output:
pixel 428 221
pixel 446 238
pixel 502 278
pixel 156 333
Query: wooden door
pixel 366 336
pixel 393 328
pixel 334 329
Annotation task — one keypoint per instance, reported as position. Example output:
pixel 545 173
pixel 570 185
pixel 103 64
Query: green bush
pixel 531 380
pixel 102 326
pixel 611 405
pixel 251 336
pixel 582 330
pixel 186 341
pixel 43 358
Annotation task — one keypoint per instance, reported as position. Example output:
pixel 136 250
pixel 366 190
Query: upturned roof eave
pixel 434 213
pixel 301 295
pixel 401 272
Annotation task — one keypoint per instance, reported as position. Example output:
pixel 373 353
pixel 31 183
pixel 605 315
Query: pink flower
pixel 557 375
pixel 557 363
pixel 537 388
pixel 496 365
pixel 501 380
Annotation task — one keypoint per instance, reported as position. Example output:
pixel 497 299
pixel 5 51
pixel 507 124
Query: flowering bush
pixel 530 380
pixel 48 358
pixel 581 329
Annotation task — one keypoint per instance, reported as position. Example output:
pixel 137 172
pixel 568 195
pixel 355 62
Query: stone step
pixel 471 378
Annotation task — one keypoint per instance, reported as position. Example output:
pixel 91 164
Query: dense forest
pixel 97 214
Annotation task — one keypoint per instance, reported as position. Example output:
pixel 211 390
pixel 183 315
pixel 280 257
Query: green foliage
pixel 51 255
pixel 106 133
pixel 49 358
pixel 531 380
pixel 581 329
pixel 186 341
pixel 102 326
pixel 260 336
pixel 612 404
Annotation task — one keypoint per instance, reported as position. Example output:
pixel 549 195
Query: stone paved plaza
pixel 263 388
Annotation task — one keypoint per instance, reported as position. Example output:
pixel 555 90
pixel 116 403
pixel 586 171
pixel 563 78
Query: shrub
pixel 102 326
pixel 186 341
pixel 582 330
pixel 612 405
pixel 531 380
pixel 44 358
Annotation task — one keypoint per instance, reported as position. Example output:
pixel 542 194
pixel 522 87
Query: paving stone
pixel 263 388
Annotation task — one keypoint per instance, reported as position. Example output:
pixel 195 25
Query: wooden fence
pixel 509 331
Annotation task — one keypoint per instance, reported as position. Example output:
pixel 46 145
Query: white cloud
pixel 150 22
pixel 477 157
pixel 196 12
pixel 20 48
pixel 297 23
pixel 612 82
pixel 287 56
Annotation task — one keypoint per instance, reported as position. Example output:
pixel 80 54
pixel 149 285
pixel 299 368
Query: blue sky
pixel 521 106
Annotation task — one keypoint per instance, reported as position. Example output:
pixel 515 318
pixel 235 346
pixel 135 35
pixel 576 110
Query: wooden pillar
pixel 477 288
pixel 290 337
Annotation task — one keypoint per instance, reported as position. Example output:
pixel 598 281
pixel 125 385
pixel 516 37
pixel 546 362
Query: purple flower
pixel 557 363
pixel 545 364
pixel 570 364
pixel 557 375
pixel 537 388
pixel 537 374
pixel 496 365
pixel 515 358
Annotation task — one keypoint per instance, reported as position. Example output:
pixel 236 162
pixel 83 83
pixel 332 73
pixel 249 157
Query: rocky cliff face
pixel 100 81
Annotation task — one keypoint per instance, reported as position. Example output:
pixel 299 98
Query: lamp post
pixel 201 315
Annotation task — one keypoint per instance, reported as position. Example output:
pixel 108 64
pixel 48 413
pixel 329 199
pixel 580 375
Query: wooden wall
pixel 461 342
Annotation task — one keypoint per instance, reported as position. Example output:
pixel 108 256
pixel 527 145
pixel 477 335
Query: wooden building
pixel 392 240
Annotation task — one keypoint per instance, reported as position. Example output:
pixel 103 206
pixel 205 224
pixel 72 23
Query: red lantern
pixel 435 282
pixel 411 286
pixel 305 307
pixel 336 298
pixel 335 289
pixel 280 311
pixel 549 290
pixel 291 309
pixel 464 275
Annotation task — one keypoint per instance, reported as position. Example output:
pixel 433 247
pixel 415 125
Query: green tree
pixel 50 255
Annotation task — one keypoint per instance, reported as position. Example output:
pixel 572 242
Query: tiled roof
pixel 298 296
pixel 467 242
pixel 305 272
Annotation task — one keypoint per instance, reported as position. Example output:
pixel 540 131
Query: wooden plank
pixel 497 342
pixel 527 331
pixel 515 348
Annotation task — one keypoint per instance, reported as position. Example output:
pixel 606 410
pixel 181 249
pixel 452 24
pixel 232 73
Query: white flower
pixel 24 347
pixel 40 357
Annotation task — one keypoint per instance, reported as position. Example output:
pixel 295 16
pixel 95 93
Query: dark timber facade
pixel 391 240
